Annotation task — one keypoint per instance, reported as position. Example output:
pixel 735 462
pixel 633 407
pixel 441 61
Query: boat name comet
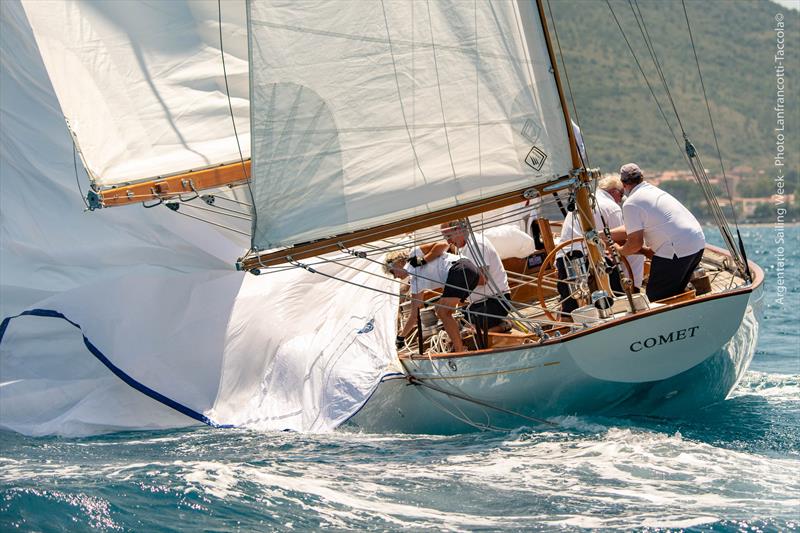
pixel 678 335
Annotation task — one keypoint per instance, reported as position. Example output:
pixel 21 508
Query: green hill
pixel 736 43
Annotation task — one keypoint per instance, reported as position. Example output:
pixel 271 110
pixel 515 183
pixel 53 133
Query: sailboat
pixel 322 138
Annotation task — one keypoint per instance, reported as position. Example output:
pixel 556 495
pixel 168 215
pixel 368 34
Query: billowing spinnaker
pixel 366 113
pixel 142 84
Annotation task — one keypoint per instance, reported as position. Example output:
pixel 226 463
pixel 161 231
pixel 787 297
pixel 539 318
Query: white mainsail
pixel 366 113
pixel 141 84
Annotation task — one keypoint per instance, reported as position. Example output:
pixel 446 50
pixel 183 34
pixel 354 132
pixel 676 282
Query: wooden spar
pixel 385 231
pixel 171 186
pixel 583 205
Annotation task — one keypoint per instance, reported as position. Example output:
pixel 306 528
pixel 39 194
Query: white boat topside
pixel 663 361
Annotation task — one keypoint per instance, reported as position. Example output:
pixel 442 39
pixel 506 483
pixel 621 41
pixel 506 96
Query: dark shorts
pixel 461 279
pixel 493 307
pixel 669 277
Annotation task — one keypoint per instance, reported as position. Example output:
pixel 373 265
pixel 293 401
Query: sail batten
pixel 365 114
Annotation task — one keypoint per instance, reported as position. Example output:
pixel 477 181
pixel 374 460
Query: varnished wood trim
pixel 691 294
pixel 758 279
pixel 546 234
pixel 172 186
pixel 385 231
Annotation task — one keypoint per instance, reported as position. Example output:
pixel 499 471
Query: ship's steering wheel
pixel 547 280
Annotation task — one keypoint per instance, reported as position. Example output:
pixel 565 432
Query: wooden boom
pixel 171 186
pixel 348 240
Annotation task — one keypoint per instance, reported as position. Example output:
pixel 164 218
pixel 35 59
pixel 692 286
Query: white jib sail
pixel 142 84
pixel 365 113
pixel 156 296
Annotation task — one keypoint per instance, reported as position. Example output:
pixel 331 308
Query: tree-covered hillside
pixel 736 45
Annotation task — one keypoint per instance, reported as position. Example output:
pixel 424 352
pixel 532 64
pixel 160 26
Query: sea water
pixel 733 466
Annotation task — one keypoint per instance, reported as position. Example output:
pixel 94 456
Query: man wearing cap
pixel 606 211
pixel 611 188
pixel 655 218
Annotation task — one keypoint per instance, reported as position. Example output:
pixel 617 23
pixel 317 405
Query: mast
pixel 584 175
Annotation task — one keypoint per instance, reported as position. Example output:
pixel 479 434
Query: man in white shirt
pixel 614 189
pixel 430 267
pixel 605 209
pixel 489 302
pixel 655 218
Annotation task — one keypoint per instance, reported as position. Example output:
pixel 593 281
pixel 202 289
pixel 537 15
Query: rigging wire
pixel 75 169
pixel 245 204
pixel 458 212
pixel 687 151
pixel 695 164
pixel 713 130
pixel 219 210
pixel 646 79
pixel 424 383
pixel 498 294
pixel 432 236
pixel 569 87
pixel 233 120
pixel 464 418
pixel 652 50
pixel 435 304
pixel 313 270
pixel 213 223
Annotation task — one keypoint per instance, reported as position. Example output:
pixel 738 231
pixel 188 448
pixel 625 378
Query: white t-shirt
pixel 636 262
pixel 495 271
pixel 612 213
pixel 572 229
pixel 669 228
pixel 431 275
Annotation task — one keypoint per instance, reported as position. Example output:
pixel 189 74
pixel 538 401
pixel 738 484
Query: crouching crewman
pixel 431 267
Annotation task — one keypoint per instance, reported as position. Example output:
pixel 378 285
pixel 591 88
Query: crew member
pixel 612 187
pixel 655 218
pixel 489 302
pixel 431 267
pixel 604 209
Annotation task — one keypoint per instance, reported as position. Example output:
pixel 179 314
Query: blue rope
pixel 147 391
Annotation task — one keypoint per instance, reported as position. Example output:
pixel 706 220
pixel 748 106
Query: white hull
pixel 615 370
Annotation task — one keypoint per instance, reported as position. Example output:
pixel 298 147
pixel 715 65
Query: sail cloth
pixel 223 348
pixel 141 83
pixel 365 113
pixel 154 293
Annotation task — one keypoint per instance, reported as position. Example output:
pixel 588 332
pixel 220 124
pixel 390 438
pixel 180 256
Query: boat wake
pixel 724 466
pixel 775 387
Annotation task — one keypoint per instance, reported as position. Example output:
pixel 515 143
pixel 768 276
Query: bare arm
pixel 633 244
pixel 619 235
pixel 433 250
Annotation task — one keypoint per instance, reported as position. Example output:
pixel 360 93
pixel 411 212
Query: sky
pixel 791 4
